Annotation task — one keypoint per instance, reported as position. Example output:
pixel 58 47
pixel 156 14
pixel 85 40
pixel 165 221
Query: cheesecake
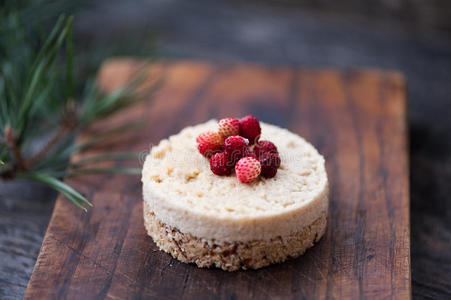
pixel 217 221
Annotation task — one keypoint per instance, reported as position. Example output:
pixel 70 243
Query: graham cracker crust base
pixel 231 256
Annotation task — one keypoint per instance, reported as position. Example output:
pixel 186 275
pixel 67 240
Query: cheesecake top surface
pixel 183 192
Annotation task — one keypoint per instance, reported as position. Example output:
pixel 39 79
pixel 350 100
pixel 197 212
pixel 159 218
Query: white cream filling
pixel 183 192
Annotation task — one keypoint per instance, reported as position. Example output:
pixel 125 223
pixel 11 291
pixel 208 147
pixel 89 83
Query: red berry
pixel 270 162
pixel 250 129
pixel 209 136
pixel 234 147
pixel 208 150
pixel 247 169
pixel 228 127
pixel 249 153
pixel 219 164
pixel 209 143
pixel 264 147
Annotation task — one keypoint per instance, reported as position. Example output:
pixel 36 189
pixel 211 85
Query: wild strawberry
pixel 247 169
pixel 228 127
pixel 209 136
pixel 219 164
pixel 249 153
pixel 264 147
pixel 234 147
pixel 270 162
pixel 250 129
pixel 209 143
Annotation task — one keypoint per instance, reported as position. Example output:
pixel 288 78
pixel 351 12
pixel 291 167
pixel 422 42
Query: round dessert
pixel 210 220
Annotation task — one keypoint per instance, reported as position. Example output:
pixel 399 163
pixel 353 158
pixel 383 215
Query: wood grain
pixel 357 120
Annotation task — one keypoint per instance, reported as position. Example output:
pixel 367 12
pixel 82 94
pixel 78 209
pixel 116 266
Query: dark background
pixel 411 36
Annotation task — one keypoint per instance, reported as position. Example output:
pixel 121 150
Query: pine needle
pixel 60 186
pixel 104 157
pixel 130 171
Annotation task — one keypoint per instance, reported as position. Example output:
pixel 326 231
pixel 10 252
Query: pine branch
pixel 68 122
pixel 47 147
pixel 11 141
pixel 35 84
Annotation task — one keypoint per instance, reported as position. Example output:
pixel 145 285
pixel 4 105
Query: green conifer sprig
pixel 38 103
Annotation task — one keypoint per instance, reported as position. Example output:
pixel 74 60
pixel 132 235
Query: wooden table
pixel 357 120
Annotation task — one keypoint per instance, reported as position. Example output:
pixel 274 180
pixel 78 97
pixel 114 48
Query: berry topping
pixel 219 164
pixel 270 162
pixel 249 153
pixel 250 129
pixel 247 169
pixel 209 143
pixel 234 147
pixel 229 148
pixel 228 127
pixel 264 147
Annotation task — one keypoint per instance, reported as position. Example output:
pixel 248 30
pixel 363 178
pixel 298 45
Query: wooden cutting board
pixel 357 120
